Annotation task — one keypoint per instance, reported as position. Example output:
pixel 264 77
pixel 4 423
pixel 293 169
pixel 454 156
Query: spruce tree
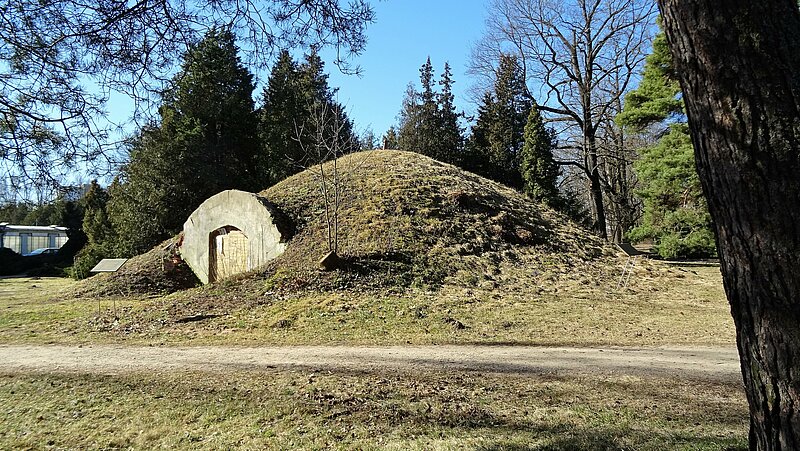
pixel 368 140
pixel 390 140
pixel 287 124
pixel 283 113
pixel 498 135
pixel 476 155
pixel 98 229
pixel 214 92
pixel 206 142
pixel 450 135
pixel 428 120
pixel 539 169
pixel 420 116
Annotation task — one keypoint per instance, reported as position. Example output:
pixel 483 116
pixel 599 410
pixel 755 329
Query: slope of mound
pixel 154 272
pixel 407 218
pixel 404 219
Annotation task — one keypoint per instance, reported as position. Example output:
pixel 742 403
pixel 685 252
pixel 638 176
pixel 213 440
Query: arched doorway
pixel 236 232
pixel 227 253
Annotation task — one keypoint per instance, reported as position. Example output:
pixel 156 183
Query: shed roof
pixel 6 227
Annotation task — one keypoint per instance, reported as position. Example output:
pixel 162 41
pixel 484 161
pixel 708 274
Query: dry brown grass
pixel 662 306
pixel 310 409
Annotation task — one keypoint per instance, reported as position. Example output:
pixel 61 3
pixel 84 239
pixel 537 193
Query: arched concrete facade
pixel 265 228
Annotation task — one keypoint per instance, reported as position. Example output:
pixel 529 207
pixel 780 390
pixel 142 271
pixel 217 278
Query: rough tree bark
pixel 739 63
pixel 595 185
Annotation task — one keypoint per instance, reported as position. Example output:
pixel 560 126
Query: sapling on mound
pixel 332 137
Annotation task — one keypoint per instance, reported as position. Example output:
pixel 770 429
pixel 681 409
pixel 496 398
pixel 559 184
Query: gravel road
pixel 706 363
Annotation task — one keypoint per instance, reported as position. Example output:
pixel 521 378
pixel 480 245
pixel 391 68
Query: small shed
pixel 23 239
pixel 233 232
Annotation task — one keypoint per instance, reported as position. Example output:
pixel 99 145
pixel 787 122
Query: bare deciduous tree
pixel 581 55
pixel 331 138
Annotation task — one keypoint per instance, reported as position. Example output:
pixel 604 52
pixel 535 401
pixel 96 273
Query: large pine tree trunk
pixel 739 63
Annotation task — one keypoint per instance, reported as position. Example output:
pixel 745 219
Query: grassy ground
pixel 31 309
pixel 311 410
pixel 688 307
pixel 282 409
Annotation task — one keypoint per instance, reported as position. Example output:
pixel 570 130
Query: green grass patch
pixel 31 309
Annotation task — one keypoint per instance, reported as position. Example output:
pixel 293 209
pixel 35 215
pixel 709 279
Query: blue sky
pixel 405 33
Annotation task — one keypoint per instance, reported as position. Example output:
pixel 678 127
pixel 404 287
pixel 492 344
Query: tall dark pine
pixel 390 139
pixel 537 165
pixel 419 117
pixel 476 156
pixel 214 92
pixel 738 63
pixel 283 113
pixel 512 107
pixel 318 95
pixel 498 135
pixel 206 142
pixel 429 120
pixel 294 94
pixel 450 139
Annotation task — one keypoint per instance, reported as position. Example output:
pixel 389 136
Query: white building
pixel 23 239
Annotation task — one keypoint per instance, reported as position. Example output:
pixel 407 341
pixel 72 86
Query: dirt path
pixel 708 363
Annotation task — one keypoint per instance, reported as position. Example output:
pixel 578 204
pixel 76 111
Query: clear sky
pixel 404 34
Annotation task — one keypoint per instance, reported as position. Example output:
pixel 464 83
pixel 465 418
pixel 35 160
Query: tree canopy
pixel 65 58
pixel 675 213
pixel 429 120
pixel 495 145
pixel 582 55
pixel 538 168
pixel 287 126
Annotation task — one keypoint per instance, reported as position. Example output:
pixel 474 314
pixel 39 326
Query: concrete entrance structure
pixel 233 232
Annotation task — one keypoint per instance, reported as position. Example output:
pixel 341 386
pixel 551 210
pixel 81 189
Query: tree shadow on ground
pixel 603 441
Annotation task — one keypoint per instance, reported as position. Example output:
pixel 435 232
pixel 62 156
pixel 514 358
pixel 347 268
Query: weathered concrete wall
pixel 266 228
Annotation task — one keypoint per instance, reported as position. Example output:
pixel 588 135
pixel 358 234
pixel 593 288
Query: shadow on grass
pixel 594 440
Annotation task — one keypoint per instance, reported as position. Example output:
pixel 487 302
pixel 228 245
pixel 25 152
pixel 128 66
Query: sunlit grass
pixel 306 409
pixel 686 309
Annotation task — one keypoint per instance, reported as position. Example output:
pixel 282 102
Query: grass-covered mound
pixel 404 220
pixel 155 272
pixel 432 254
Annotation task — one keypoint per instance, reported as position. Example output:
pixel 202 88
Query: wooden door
pixel 227 253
